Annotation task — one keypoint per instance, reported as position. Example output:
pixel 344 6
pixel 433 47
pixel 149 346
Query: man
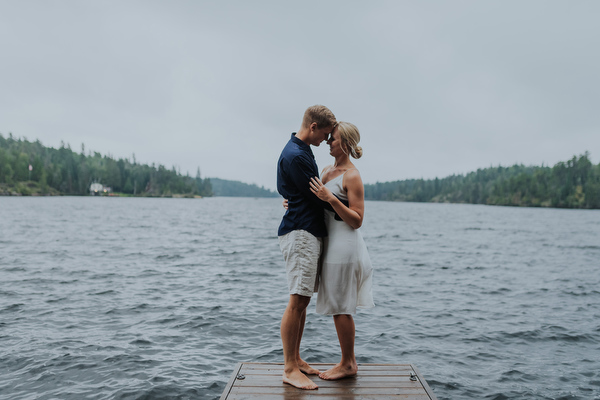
pixel 301 235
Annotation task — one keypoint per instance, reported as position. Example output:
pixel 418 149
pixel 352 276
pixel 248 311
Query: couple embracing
pixel 322 247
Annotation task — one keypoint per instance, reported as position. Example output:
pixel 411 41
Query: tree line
pixel 64 171
pixel 571 184
pixel 226 188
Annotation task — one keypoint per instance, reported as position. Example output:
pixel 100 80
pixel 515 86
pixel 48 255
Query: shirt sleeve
pixel 301 172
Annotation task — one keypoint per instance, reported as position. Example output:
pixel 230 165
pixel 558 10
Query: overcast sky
pixel 435 87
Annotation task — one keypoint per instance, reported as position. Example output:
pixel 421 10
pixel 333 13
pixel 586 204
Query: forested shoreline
pixel 574 183
pixel 65 172
pixel 226 188
pixel 571 184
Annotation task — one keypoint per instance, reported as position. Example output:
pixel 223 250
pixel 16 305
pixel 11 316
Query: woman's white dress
pixel 346 272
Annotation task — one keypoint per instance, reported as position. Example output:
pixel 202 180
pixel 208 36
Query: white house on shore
pixel 98 189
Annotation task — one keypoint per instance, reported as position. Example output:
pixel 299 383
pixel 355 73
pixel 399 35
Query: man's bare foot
pixel 339 372
pixel 298 379
pixel 307 369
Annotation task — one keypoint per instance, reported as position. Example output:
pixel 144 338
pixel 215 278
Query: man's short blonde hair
pixel 319 114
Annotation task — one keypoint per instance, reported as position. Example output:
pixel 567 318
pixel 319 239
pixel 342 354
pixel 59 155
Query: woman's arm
pixel 353 214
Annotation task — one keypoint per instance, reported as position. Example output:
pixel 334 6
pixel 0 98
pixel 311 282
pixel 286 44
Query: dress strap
pixel 326 170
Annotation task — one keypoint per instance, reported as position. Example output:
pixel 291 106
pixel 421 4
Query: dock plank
pixel 373 382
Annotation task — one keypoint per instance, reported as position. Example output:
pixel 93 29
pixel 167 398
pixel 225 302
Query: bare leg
pixel 303 365
pixel 292 326
pixel 344 325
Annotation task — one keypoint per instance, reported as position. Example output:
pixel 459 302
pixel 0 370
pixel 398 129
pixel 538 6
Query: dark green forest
pixel 66 172
pixel 222 187
pixel 571 184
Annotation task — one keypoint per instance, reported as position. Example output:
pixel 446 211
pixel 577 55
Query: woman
pixel 346 276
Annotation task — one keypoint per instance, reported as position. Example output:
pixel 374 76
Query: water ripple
pixel 488 302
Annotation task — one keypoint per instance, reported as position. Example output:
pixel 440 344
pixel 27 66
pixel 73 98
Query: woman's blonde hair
pixel 350 137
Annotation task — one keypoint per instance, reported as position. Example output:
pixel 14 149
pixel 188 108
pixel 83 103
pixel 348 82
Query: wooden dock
pixel 374 382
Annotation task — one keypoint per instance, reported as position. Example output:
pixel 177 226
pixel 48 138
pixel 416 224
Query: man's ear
pixel 313 127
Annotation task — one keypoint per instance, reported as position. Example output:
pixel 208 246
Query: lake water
pixel 134 298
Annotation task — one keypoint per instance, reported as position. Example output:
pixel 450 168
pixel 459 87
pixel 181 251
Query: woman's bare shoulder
pixel 353 173
pixel 352 178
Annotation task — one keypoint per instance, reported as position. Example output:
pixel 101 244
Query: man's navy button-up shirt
pixel 295 167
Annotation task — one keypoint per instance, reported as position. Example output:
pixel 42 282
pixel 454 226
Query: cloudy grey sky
pixel 435 87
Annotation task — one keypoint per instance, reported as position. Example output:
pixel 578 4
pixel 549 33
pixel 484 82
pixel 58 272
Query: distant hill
pixel 222 187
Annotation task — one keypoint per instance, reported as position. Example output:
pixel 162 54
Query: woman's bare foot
pixel 307 369
pixel 298 379
pixel 339 372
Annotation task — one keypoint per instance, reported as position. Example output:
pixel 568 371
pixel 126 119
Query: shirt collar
pixel 299 142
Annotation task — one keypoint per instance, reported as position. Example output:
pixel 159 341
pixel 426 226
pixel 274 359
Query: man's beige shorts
pixel 301 252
